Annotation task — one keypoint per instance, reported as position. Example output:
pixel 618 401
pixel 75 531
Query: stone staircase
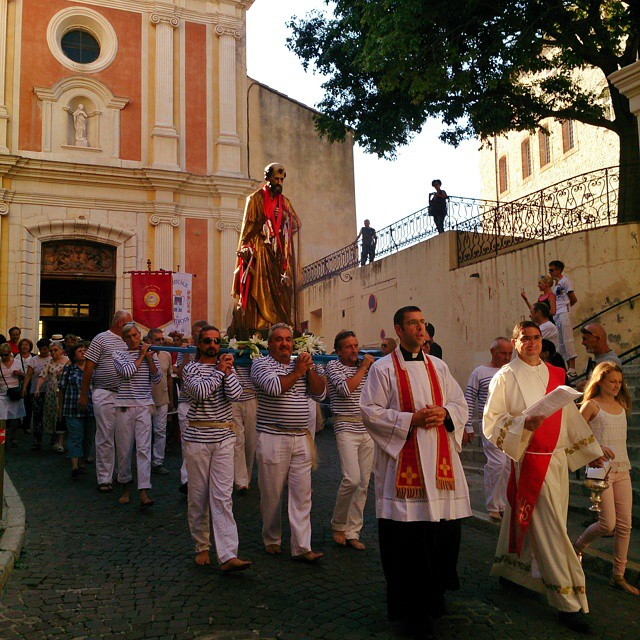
pixel 473 458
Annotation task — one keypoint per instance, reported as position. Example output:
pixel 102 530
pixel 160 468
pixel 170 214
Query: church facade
pixel 130 135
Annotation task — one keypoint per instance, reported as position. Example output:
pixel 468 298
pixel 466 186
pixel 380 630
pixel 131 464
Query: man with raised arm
pixel 346 377
pixel 415 412
pixel 284 446
pixel 534 549
pixel 100 369
pixel 211 384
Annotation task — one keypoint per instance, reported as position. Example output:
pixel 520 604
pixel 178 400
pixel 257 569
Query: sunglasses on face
pixel 211 340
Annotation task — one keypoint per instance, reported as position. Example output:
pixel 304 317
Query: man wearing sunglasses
pixel 208 441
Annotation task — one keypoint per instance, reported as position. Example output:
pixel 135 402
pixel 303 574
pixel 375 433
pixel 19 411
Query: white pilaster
pixel 4 114
pixel 164 134
pixel 229 230
pixel 627 81
pixel 165 222
pixel 228 143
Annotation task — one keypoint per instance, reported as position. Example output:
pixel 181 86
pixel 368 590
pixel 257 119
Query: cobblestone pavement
pixel 94 569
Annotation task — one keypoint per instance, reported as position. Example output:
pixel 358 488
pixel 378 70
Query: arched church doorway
pixel 77 287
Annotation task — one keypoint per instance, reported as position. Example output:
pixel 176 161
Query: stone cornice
pixel 207 15
pixel 147 179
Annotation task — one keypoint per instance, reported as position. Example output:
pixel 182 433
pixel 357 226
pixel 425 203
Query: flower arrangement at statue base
pixel 256 345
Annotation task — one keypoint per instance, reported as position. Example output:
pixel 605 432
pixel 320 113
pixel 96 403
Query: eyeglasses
pixel 210 340
pixel 428 342
pixel 384 345
pixel 416 323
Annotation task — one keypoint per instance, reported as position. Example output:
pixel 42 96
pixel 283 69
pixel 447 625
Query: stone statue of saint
pixel 264 279
pixel 80 118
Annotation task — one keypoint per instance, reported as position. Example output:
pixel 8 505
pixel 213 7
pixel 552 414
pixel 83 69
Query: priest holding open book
pixel 534 549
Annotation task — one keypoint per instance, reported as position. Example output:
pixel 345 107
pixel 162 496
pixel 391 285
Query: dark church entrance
pixel 77 288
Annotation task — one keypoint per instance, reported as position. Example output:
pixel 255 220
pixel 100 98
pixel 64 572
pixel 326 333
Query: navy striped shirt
pixel 243 372
pixel 134 389
pixel 343 401
pixel 182 396
pixel 289 410
pixel 100 352
pixel 210 393
pixel 476 393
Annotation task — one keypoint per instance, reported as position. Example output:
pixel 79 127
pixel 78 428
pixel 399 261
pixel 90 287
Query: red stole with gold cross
pixel 523 494
pixel 409 475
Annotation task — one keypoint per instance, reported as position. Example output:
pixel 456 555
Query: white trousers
pixel 210 469
pixel 104 413
pixel 564 324
pixel 356 460
pixel 244 419
pixel 133 426
pixel 183 423
pixel 285 458
pixel 496 476
pixel 159 423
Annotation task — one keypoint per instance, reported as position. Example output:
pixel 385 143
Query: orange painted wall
pixel 38 67
pixel 196 99
pixel 196 257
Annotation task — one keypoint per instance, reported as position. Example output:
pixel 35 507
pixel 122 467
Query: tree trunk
pixel 629 188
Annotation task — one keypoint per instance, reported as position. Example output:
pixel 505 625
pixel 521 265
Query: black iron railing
pixel 410 230
pixel 583 202
pixel 489 227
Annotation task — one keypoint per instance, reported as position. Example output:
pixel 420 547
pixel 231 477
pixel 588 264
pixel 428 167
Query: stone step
pixel 578 494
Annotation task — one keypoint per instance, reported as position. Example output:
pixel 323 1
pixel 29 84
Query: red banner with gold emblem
pixel 152 299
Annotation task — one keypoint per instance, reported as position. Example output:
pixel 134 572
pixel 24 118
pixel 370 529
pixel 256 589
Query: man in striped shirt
pixel 497 467
pixel 346 378
pixel 183 400
pixel 208 440
pixel 137 369
pixel 285 449
pixel 100 370
pixel 244 420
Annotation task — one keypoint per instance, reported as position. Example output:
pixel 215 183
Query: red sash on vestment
pixel 409 475
pixel 274 212
pixel 523 494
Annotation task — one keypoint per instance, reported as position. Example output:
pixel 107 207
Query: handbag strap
pixel 6 384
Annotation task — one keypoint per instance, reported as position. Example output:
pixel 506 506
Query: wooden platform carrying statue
pixel 264 283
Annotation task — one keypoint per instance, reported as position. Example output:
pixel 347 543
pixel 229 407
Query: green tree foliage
pixel 482 67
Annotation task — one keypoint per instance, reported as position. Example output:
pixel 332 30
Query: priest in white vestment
pixel 545 560
pixel 411 400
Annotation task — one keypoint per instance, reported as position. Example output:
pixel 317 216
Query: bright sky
pixel 409 176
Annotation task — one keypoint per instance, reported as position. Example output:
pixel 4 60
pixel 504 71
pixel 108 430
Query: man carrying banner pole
pixel 534 549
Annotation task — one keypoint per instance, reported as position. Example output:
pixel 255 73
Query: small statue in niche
pixel 80 118
pixel 80 121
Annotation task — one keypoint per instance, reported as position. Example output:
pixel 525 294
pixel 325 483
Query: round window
pixel 80 46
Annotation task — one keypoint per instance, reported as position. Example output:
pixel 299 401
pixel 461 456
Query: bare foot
pixel 145 501
pixel 202 557
pixel 339 538
pixel 273 549
pixel 356 544
pixel 235 564
pixel 310 557
pixel 124 498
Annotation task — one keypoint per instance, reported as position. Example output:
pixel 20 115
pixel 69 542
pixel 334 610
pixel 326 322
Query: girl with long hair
pixel 605 406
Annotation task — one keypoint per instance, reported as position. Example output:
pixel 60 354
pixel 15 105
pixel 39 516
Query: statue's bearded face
pixel 276 178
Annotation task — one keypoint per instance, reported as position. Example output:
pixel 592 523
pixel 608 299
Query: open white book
pixel 552 402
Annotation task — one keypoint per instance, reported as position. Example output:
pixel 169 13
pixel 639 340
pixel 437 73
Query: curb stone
pixel 13 525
